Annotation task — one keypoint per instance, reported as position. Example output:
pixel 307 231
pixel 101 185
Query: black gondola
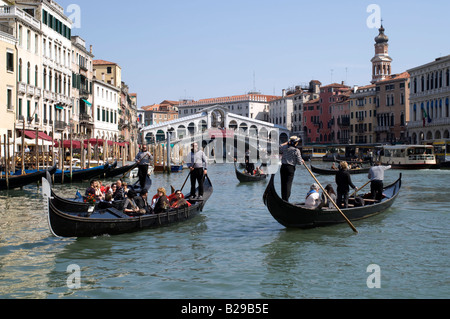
pixel 292 215
pixel 324 171
pixel 116 171
pixel 247 178
pixel 80 175
pixel 16 181
pixel 112 221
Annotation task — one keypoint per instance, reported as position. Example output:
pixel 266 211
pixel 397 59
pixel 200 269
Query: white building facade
pixel 106 111
pixel 253 106
pixel 281 110
pixel 430 101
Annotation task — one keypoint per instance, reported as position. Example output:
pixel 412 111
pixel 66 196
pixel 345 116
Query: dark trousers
pixel 142 174
pixel 287 173
pixel 197 176
pixel 342 198
pixel 376 188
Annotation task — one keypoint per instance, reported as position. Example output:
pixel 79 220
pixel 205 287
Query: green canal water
pixel 234 249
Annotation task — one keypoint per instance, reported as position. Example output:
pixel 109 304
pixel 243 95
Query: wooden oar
pixel 329 197
pixel 360 189
pixel 185 180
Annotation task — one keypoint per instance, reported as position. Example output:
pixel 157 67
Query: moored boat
pixel 292 215
pixel 80 175
pixel 16 181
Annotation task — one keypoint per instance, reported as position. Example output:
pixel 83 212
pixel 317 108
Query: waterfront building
pixel 340 119
pixel 82 114
pixel 311 121
pixel 8 54
pixel 158 113
pixel 329 95
pixel 128 125
pixel 106 111
pixel 363 120
pixel 252 105
pixel 27 63
pixel 281 110
pixel 57 103
pixel 392 108
pixel 430 101
pixel 301 95
pixel 108 72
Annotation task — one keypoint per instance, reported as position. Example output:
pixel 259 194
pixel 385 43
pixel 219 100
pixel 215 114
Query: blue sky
pixel 202 49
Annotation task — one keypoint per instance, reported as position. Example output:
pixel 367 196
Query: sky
pixel 197 49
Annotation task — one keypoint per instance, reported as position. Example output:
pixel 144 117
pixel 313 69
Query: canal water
pixel 235 249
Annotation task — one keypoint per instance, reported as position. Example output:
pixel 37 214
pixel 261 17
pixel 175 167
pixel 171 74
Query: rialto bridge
pixel 218 131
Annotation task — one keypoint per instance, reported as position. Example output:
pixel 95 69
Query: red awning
pixel 41 135
pixel 66 144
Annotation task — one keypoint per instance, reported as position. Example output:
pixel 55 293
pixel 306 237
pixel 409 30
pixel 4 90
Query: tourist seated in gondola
pixel 178 201
pixel 125 188
pixel 160 202
pixel 334 167
pixel 107 202
pixel 325 201
pixel 142 201
pixel 313 197
pixel 130 207
pixel 90 191
pixel 119 194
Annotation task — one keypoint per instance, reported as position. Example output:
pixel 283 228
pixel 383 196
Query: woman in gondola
pixel 344 182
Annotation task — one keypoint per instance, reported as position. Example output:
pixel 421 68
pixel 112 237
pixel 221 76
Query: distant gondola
pixel 111 221
pixel 247 178
pixel 80 175
pixel 298 216
pixel 324 171
pixel 16 181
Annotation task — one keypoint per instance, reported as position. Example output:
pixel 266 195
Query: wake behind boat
pixel 292 215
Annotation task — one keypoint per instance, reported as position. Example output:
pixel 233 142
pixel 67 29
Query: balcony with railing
pixel 60 125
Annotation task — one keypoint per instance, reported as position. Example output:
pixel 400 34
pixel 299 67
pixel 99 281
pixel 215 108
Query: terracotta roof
pixel 235 98
pixel 404 75
pixel 103 62
pixel 312 101
pixel 335 85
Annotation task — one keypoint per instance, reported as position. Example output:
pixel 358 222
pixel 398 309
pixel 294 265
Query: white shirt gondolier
pixel 291 156
pixel 143 159
pixel 198 164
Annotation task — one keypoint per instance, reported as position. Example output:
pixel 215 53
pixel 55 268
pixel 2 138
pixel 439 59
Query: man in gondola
pixel 376 176
pixel 198 164
pixel 291 156
pixel 143 159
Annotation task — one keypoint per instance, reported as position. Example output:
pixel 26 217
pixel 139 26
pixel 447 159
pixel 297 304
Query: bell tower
pixel 381 62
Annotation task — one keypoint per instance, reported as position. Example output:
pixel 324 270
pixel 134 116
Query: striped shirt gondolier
pixel 291 155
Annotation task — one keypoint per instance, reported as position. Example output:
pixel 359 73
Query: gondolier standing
pixel 291 156
pixel 376 176
pixel 143 159
pixel 198 164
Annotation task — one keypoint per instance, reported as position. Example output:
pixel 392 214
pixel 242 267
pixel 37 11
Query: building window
pixel 9 99
pixel 10 62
